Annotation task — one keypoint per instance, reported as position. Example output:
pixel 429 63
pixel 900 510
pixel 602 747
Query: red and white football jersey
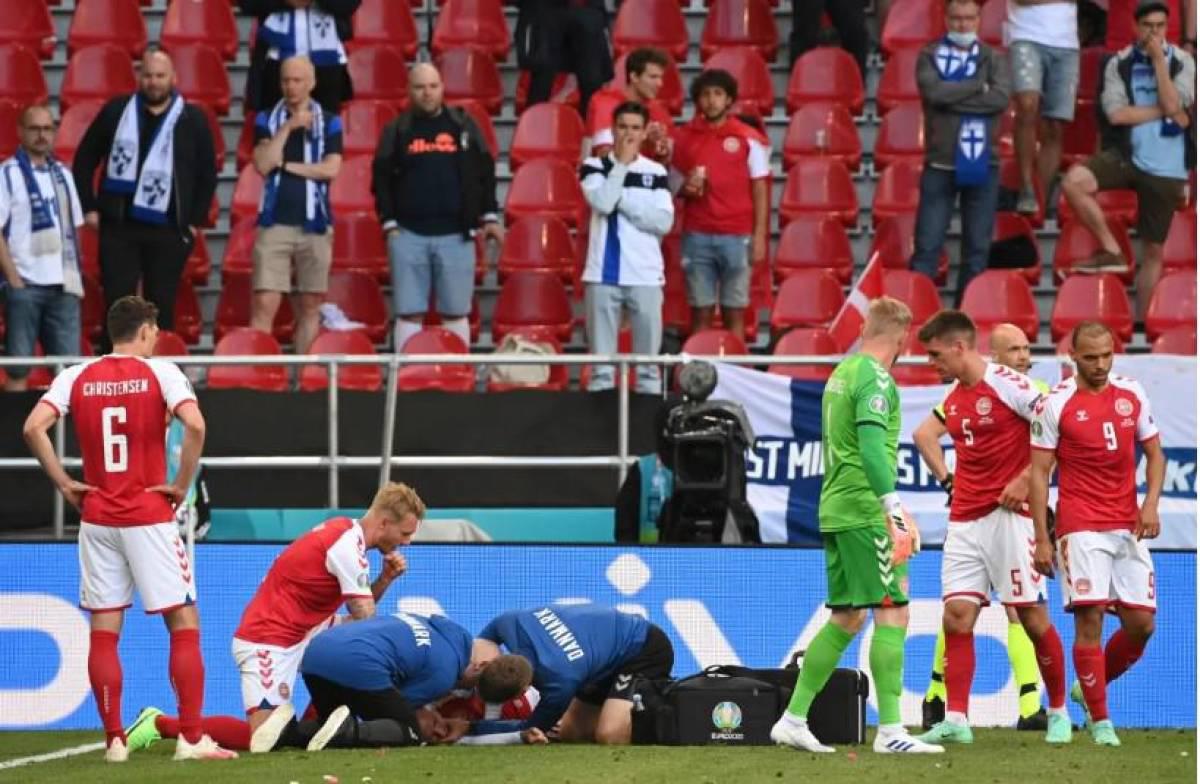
pixel 989 423
pixel 1094 438
pixel 600 118
pixel 119 405
pixel 307 583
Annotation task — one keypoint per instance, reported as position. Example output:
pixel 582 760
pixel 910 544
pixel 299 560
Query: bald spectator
pixel 159 176
pixel 298 149
pixel 1010 347
pixel 39 249
pixel 435 186
pixel 317 29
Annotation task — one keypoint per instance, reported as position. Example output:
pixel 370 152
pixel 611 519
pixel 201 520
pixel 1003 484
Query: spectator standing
pixel 1043 43
pixel 159 179
pixel 298 149
pixel 725 168
pixel 39 248
pixel 1122 28
pixel 632 210
pixel 849 18
pixel 644 71
pixel 1148 95
pixel 434 181
pixel 317 29
pixel 964 86
pixel 563 35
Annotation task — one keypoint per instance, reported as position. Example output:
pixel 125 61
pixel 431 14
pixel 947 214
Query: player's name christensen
pixel 134 386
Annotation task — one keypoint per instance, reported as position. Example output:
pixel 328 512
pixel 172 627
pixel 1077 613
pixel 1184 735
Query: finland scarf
pixel 303 31
pixel 152 186
pixel 972 154
pixel 316 194
pixel 45 236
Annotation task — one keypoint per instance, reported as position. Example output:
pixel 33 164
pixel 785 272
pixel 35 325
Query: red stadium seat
pixel 233 310
pixel 548 130
pixel 201 76
pixel 991 24
pixel 915 375
pixel 97 73
pixel 807 298
pixel 484 121
pixel 169 344
pixel 1179 340
pixel 739 23
pixel 642 23
pixel 28 23
pixel 997 296
pixel 894 242
pixel 1091 60
pixel 546 187
pixel 913 24
pixel 822 130
pixel 362 123
pixel 199 262
pixel 819 186
pixel 1179 249
pixel 898 190
pixel 264 378
pixel 1081 137
pixel 471 75
pixel 1116 205
pixel 202 22
pixel 361 299
pixel 188 319
pixel 915 290
pixel 1009 225
pixel 825 74
pixel 533 299
pixel 91 312
pixel 1004 137
pixel 362 378
pixel 753 77
pixel 559 377
pixel 670 95
pixel 247 194
pixel 359 246
pixel 10 138
pixel 239 249
pixel 89 248
pixel 40 377
pixel 538 243
pixel 386 23
pixel 898 84
pixel 1076 244
pixel 245 144
pixel 814 242
pixel 901 136
pixel 379 73
pixel 21 79
pixel 805 341
pixel 478 24
pixel 1064 345
pixel 715 342
pixel 564 90
pixel 1173 303
pixel 117 22
pixel 1092 297
pixel 446 378
pixel 351 189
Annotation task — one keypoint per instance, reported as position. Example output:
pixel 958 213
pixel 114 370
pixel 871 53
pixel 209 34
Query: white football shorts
pixel 994 552
pixel 1107 568
pixel 114 559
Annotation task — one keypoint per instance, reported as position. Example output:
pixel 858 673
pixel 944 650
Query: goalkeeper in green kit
pixel 868 536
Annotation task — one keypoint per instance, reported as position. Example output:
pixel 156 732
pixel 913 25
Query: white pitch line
pixel 53 755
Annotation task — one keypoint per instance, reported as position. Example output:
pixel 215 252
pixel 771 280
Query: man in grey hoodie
pixel 964 85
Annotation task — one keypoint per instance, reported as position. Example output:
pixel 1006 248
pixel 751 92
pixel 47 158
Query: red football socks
pixel 104 672
pixel 1053 666
pixel 1089 667
pixel 229 732
pixel 1121 653
pixel 187 677
pixel 960 671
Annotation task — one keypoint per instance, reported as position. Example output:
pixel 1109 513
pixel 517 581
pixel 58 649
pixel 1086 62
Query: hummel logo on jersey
pixel 623 682
pixel 1088 679
pixel 1081 415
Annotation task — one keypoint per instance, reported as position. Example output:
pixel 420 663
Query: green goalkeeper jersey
pixel 860 390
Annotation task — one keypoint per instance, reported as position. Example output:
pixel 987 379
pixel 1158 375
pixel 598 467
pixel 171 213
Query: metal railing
pixel 332 462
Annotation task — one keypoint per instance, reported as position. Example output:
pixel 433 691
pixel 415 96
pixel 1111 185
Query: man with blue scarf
pixel 298 149
pixel 1148 143
pixel 39 249
pixel 964 86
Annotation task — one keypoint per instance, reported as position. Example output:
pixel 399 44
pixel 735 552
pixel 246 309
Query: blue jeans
pixel 644 303
pixel 42 313
pixel 978 208
pixel 443 264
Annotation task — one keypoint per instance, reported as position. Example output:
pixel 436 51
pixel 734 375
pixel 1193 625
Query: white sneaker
pixel 204 749
pixel 903 743
pixel 329 729
pixel 797 735
pixel 267 735
pixel 116 751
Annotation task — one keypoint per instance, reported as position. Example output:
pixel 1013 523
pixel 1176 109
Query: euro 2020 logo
pixel 727 716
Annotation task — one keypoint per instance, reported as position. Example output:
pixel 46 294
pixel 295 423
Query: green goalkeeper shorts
pixel 859 569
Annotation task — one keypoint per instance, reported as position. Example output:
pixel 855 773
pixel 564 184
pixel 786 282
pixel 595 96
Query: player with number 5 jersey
pixel 1091 425
pixel 120 404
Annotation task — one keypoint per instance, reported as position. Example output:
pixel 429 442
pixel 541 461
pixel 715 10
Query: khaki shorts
pixel 276 247
pixel 1158 197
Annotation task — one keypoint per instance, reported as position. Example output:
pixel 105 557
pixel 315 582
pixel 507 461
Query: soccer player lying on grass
pixel 583 660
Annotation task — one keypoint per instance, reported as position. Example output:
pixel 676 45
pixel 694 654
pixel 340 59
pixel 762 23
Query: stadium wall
pixel 719 605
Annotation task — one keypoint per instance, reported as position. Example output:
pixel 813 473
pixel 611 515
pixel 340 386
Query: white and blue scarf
pixel 153 184
pixel 973 153
pixel 316 193
pixel 309 32
pixel 46 235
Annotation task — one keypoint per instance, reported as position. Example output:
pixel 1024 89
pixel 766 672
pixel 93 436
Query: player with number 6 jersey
pixel 1091 425
pixel 120 404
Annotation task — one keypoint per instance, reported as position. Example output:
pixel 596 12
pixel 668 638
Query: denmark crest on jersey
pixel 983 406
pixel 1123 407
pixel 731 144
